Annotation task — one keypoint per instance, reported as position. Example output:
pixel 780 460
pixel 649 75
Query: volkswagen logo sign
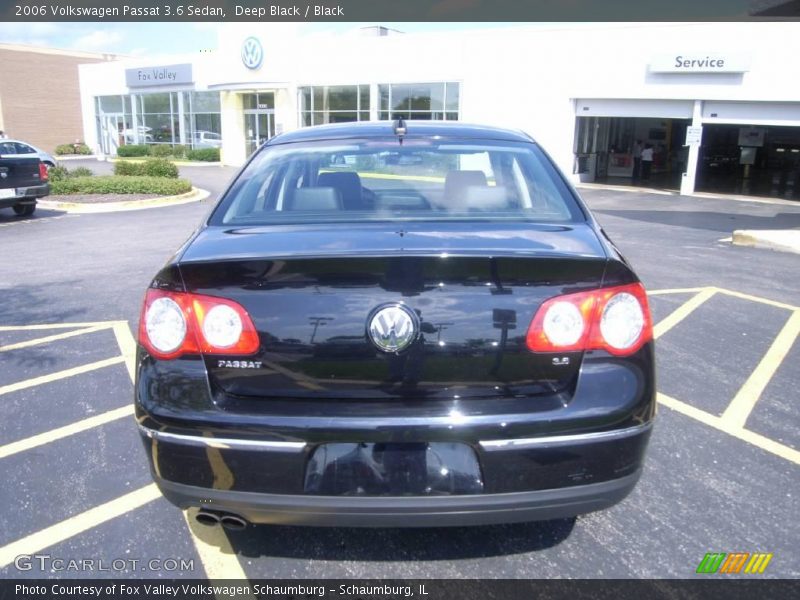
pixel 252 53
pixel 393 328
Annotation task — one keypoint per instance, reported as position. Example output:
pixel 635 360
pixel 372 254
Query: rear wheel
pixel 24 210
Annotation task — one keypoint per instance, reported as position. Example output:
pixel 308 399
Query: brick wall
pixel 40 97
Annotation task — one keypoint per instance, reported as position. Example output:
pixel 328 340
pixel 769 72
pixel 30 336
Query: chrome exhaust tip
pixel 207 518
pixel 233 522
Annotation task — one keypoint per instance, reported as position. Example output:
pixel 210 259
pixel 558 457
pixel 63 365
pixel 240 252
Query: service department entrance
pixel 259 119
pixel 611 135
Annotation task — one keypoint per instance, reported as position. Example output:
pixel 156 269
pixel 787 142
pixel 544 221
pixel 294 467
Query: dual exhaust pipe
pixel 227 520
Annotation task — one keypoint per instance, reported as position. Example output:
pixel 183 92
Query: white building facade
pixel 717 102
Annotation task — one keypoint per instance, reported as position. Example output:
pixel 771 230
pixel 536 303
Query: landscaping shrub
pixel 80 172
pixel 57 173
pixel 114 184
pixel 152 167
pixel 203 154
pixel 125 167
pixel 160 150
pixel 159 167
pixel 78 148
pixel 131 150
pixel 60 173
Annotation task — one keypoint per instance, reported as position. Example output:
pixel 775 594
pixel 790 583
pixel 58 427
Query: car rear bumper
pixel 404 511
pixel 25 195
pixel 524 479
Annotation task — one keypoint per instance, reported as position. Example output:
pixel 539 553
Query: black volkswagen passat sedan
pixel 396 324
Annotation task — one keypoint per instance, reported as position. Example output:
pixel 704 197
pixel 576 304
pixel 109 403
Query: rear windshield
pixel 381 179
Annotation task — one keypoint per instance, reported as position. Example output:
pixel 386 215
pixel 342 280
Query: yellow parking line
pixel 215 550
pixel 52 338
pixel 742 405
pixel 127 346
pixel 675 291
pixel 21 385
pixel 759 299
pixel 683 311
pixel 750 437
pixel 65 431
pixel 55 534
pixel 212 544
pixel 55 326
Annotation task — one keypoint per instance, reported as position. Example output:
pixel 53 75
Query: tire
pixel 24 210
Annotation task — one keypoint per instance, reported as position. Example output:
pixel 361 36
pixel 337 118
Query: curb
pixel 196 195
pixel 75 157
pixel 177 163
pixel 780 240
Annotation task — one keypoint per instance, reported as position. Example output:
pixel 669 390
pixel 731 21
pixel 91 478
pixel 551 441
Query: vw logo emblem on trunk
pixel 393 328
pixel 252 53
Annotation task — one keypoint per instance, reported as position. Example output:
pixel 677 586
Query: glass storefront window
pixel 114 122
pixel 333 104
pixel 419 101
pixel 259 101
pixel 205 121
pixel 158 118
pixel 190 118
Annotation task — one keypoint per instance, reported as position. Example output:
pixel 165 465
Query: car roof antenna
pixel 400 129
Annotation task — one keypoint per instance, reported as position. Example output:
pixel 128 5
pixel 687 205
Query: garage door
pixel 752 113
pixel 656 109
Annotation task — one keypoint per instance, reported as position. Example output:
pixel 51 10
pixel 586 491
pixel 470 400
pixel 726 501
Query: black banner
pixel 396 10
pixel 421 589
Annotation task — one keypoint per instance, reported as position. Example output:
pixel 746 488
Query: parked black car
pixel 467 344
pixel 23 180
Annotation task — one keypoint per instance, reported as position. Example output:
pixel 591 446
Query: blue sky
pixel 144 39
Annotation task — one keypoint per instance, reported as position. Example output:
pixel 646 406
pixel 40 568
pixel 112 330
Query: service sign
pixel 159 75
pixel 699 62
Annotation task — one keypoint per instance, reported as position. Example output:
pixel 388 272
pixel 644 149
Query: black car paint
pixel 284 275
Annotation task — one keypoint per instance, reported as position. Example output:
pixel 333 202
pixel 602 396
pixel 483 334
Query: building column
pixel 688 179
pixel 232 123
pixel 373 101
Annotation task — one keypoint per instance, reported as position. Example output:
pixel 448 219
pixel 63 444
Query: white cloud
pixel 98 40
pixel 27 33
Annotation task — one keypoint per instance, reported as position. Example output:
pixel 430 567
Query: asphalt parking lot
pixel 721 474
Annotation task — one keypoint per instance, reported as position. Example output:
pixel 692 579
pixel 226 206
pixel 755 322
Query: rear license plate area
pixel 393 469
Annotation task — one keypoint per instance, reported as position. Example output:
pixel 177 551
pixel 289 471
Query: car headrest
pixel 456 182
pixel 315 198
pixel 349 185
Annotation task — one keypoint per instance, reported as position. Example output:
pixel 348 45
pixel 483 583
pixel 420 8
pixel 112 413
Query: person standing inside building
pixel 637 160
pixel 647 161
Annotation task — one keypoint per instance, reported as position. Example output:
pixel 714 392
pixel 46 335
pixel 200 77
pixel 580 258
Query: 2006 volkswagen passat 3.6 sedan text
pixel 396 324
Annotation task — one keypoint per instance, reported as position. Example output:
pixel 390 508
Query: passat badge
pixel 393 328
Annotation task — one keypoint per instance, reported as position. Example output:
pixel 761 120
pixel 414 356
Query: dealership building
pixel 718 103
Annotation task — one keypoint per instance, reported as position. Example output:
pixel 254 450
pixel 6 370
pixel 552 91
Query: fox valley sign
pixel 159 75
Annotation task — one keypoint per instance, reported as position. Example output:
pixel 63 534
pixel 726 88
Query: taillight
pixel 177 323
pixel 43 174
pixel 614 319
